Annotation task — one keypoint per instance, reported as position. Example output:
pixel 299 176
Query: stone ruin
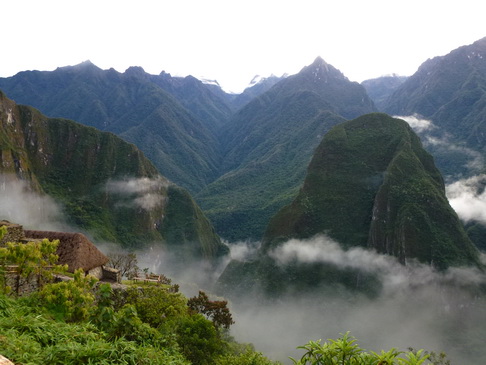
pixel 75 250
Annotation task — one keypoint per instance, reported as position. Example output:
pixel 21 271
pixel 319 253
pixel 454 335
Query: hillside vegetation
pixel 370 184
pixel 106 186
pixel 81 321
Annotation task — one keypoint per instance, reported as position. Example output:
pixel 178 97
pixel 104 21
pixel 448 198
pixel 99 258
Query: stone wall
pixel 15 232
pixel 26 286
pixel 112 275
pixel 97 272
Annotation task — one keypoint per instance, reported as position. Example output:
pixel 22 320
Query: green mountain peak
pixel 371 184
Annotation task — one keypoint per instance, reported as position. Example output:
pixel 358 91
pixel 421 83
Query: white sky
pixel 233 40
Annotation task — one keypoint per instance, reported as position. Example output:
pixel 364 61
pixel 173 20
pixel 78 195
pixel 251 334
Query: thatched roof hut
pixel 74 249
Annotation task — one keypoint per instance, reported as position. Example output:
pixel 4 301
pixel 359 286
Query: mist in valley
pixel 417 306
pixel 19 203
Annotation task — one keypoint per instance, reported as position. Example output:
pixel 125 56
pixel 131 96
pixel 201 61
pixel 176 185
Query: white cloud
pixel 143 192
pixel 20 204
pixel 242 251
pixel 324 249
pixel 468 198
pixel 417 305
pixel 418 124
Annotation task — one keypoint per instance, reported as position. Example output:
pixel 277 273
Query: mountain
pixel 258 86
pixel 397 203
pixel 242 164
pixel 173 120
pixel 269 142
pixel 370 184
pixel 451 91
pixel 381 88
pixel 207 102
pixel 106 186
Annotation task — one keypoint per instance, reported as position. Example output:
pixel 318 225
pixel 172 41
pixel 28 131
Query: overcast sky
pixel 233 40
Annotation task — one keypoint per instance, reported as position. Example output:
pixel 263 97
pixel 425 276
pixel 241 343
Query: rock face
pixel 371 184
pixel 106 186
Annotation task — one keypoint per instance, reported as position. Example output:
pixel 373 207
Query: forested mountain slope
pixel 370 184
pixel 137 107
pixel 451 91
pixel 106 186
pixel 268 144
pixel 242 165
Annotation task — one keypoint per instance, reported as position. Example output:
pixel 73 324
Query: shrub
pixel 71 300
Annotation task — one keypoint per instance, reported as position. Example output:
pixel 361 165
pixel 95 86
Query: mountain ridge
pixel 106 186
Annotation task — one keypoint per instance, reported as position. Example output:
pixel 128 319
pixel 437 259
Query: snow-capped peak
pixel 209 82
pixel 256 79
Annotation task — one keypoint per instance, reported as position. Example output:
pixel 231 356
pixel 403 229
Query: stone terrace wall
pixel 15 232
pixel 27 286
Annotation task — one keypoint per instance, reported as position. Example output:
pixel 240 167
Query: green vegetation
pixel 170 119
pixel 267 146
pixel 80 321
pixel 345 351
pixel 371 184
pixel 106 186
pixel 449 90
pixel 28 261
pixel 241 165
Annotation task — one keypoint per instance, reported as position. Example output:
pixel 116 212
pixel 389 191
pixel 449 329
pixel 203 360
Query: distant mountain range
pixel 381 88
pixel 243 157
pixel 268 144
pixel 202 138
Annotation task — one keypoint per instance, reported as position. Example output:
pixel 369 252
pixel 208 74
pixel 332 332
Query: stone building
pixel 75 250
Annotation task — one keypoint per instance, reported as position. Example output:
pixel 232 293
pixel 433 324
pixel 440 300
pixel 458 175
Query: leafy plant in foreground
pixel 345 351
pixel 70 300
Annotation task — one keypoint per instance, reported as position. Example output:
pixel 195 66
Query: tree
pixel 125 262
pixel 216 311
pixel 199 340
pixel 33 259
pixel 156 305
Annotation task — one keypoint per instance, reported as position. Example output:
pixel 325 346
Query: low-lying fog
pixel 417 307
